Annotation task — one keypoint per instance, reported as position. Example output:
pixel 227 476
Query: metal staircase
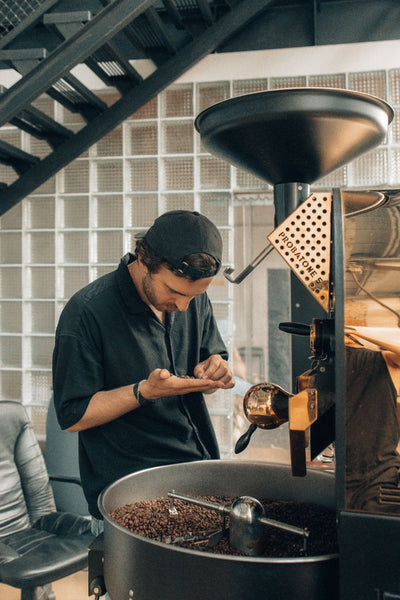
pixel 44 40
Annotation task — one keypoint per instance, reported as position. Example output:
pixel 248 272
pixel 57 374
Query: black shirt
pixel 107 337
pixel 372 429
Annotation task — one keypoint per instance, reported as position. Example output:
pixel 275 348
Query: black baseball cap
pixel 177 234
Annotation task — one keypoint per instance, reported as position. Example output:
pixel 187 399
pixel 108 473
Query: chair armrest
pixel 64 524
pixel 7 553
pixel 66 479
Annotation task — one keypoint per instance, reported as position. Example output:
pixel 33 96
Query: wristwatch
pixel 141 399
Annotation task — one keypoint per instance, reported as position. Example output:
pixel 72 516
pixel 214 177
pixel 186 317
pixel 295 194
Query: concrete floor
pixel 73 587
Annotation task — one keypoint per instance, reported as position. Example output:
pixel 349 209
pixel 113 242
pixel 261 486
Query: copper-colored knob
pixel 266 405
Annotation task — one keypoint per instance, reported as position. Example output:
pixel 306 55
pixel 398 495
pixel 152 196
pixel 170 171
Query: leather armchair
pixel 38 544
pixel 62 463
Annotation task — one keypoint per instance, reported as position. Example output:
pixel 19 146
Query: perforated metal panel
pixel 303 240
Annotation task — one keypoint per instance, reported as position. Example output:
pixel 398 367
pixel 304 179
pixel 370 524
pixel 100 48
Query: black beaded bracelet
pixel 141 399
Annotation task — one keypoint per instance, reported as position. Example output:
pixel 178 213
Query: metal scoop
pixel 246 531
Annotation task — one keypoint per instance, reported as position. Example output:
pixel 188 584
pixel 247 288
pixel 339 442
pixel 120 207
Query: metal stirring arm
pixel 254 263
pixel 225 510
pixel 234 511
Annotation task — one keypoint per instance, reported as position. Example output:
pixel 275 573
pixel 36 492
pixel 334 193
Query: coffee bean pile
pixel 152 519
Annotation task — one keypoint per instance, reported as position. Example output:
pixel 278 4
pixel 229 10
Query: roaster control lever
pixel 321 333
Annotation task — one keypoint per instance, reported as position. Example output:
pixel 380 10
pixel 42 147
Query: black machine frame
pixel 369 543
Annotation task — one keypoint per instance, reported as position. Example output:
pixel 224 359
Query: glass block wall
pixel 77 225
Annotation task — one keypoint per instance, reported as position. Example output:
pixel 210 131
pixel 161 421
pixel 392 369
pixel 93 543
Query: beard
pixel 151 295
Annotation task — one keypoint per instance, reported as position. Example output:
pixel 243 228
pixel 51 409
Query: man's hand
pixel 107 405
pixel 161 383
pixel 216 369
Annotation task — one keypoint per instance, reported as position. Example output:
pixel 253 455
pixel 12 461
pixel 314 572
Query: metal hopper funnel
pixel 292 137
pixel 295 134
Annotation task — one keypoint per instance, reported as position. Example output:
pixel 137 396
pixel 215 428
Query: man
pixel 134 352
pixel 372 460
pixel 372 428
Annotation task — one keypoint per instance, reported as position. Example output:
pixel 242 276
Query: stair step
pixel 108 63
pixel 40 125
pixel 16 158
pixel 82 16
pixel 23 54
pixel 68 91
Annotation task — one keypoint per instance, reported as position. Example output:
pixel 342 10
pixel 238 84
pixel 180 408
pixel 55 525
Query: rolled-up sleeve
pixel 77 376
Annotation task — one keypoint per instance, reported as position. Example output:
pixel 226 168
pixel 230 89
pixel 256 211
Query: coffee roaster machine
pixel 290 138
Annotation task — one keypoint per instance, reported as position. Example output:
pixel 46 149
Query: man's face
pixel 168 292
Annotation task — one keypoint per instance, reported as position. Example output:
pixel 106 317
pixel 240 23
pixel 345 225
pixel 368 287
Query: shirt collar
pixel 129 293
pixel 127 288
